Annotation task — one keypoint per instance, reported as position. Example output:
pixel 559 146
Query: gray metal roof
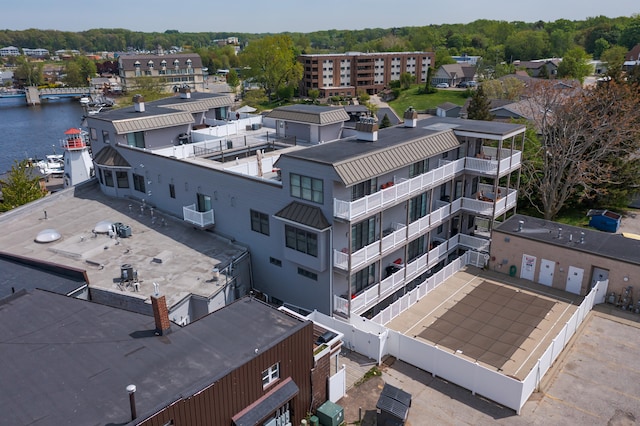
pixel 304 214
pixel 600 243
pixel 71 360
pixel 356 161
pixel 140 124
pixel 108 156
pixel 312 114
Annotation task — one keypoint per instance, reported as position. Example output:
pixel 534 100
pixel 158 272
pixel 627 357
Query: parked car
pixel 463 84
pixel 442 85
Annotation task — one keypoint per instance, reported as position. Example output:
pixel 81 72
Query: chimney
pixel 161 315
pixel 185 93
pixel 138 103
pixel 410 117
pixel 367 129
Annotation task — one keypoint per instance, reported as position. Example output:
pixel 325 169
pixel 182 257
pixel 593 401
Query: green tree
pixel 385 122
pixel 527 45
pixel 150 88
pixel 28 73
pixel 232 80
pixel 314 94
pixel 575 64
pixel 479 106
pixel 272 63
pixel 20 187
pixel 406 79
pixel 443 57
pixel 614 59
pixel 601 45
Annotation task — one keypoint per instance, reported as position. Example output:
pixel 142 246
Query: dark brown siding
pixel 218 403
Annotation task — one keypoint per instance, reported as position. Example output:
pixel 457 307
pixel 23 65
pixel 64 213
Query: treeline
pixel 496 41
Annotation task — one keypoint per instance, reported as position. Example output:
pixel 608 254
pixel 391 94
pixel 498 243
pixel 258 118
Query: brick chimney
pixel 138 103
pixel 185 93
pixel 367 129
pixel 410 117
pixel 161 315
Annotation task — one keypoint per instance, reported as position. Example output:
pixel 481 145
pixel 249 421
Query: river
pixel 34 131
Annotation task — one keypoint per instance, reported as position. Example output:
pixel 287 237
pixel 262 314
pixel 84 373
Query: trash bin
pixel 393 406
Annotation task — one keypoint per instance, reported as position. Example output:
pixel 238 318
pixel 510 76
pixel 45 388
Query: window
pixel 274 261
pixel 260 222
pixel 204 203
pixel 105 137
pixel 307 188
pixel 363 189
pixel 302 241
pixel 108 178
pixel 172 190
pixel 270 375
pixel 93 133
pixel 415 248
pixel 138 183
pixel 123 179
pixel 136 139
pixel 418 207
pixel 418 168
pixel 363 279
pixel 308 274
pixel 363 233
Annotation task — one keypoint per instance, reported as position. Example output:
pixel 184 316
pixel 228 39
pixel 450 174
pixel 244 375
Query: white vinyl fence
pixel 372 339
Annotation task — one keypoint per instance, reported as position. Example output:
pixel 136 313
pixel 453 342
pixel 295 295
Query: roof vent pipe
pixel 559 233
pixel 581 237
pixel 132 400
pixel 520 223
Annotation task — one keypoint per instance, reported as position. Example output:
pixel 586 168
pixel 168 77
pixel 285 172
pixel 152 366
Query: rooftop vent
pixel 185 92
pixel 520 224
pixel 367 129
pixel 138 103
pixel 410 117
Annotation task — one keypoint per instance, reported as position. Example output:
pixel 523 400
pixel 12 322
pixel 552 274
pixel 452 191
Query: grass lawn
pixel 421 101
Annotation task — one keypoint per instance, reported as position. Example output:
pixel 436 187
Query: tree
pixel 28 73
pixel 614 58
pixel 385 122
pixel 272 63
pixel 314 94
pixel 582 135
pixel 479 106
pixel 575 64
pixel 232 80
pixel 406 79
pixel 20 187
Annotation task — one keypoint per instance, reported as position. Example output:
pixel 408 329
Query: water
pixel 34 131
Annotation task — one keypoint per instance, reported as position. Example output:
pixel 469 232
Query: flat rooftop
pixel 588 240
pixel 69 361
pixel 163 249
pixel 500 322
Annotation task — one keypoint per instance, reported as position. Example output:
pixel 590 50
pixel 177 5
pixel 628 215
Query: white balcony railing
pixel 372 295
pixel 403 189
pixel 201 219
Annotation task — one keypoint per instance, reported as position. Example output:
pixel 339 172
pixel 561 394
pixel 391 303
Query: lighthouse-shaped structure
pixel 78 165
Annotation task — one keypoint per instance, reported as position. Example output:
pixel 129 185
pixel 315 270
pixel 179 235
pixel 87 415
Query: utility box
pixel 393 406
pixel 330 414
pixel 604 220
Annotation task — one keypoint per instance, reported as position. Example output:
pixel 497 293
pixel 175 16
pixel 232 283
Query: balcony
pixel 379 291
pixel 201 219
pixel 405 188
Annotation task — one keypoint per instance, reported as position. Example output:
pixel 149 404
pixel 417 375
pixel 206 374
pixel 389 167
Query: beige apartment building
pixel 344 74
pixel 172 71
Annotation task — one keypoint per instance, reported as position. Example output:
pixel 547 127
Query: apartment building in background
pixel 345 74
pixel 171 71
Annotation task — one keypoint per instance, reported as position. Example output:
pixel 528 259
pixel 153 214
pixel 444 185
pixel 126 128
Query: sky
pixel 277 16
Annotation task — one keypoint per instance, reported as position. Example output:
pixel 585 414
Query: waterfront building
pixel 9 51
pixel 341 226
pixel 170 71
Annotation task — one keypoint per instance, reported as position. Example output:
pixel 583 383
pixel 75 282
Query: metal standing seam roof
pixel 152 122
pixel 109 157
pixel 311 114
pixel 360 169
pixel 304 214
pixel 199 105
